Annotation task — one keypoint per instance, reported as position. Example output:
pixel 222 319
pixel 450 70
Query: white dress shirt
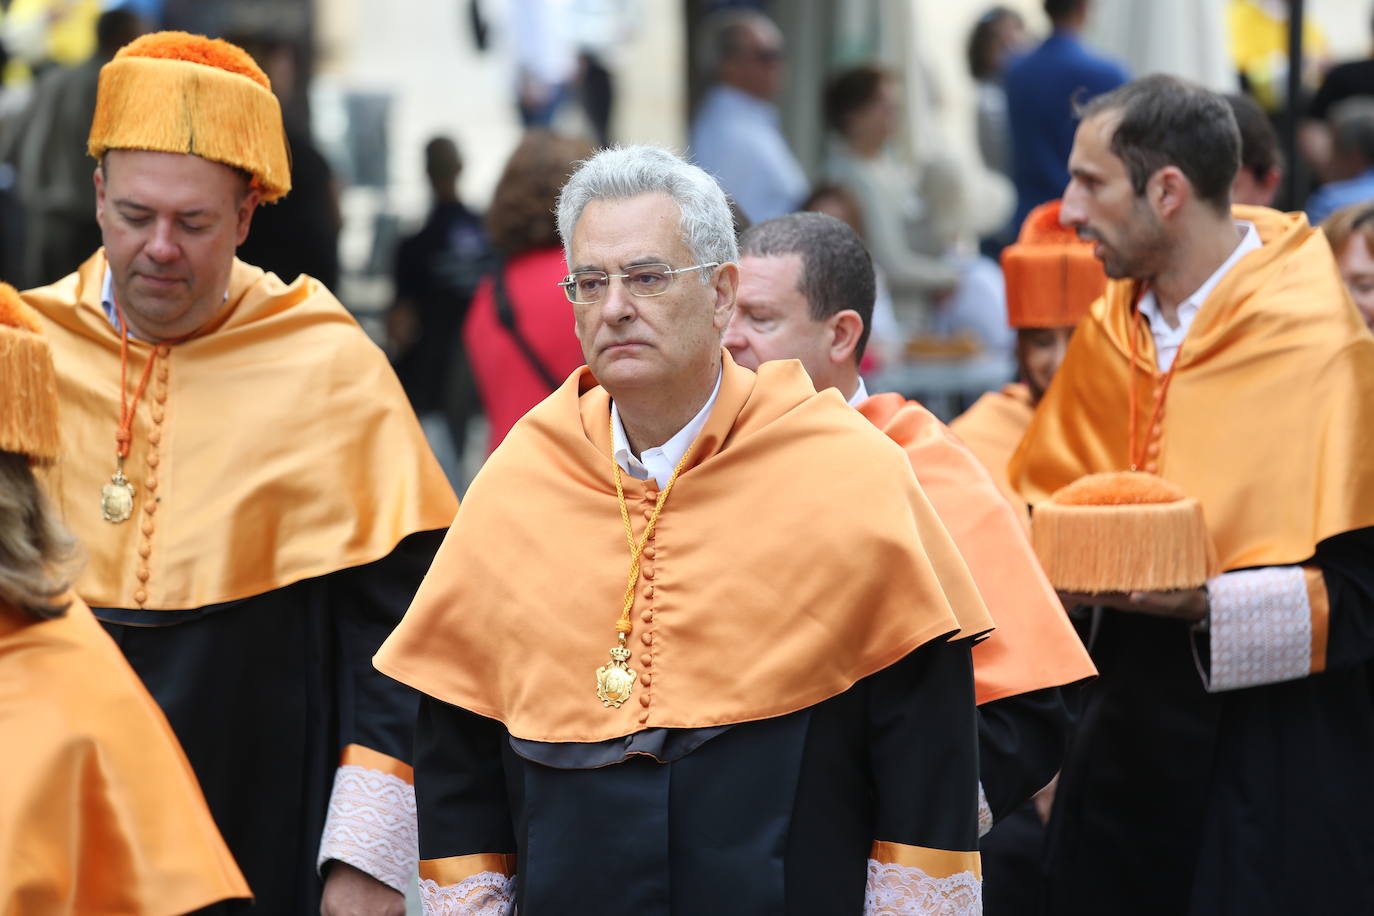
pixel 860 394
pixel 660 461
pixel 1167 339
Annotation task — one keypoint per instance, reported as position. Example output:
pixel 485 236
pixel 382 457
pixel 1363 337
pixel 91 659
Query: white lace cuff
pixel 984 812
pixel 486 893
pixel 371 825
pixel 1261 627
pixel 900 890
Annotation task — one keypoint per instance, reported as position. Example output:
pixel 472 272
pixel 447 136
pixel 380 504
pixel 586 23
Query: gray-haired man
pixel 752 720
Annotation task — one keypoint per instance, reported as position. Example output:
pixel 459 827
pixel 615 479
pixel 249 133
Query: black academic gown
pixel 768 818
pixel 264 694
pixel 1253 801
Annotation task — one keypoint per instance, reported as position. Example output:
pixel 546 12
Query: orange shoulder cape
pixel 102 813
pixel 992 429
pixel 795 555
pixel 1267 420
pixel 1034 646
pixel 274 446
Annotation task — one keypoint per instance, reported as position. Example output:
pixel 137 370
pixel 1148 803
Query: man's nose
pixel 162 245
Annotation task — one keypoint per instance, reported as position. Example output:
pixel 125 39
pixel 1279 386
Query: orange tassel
pixel 1121 532
pixel 28 383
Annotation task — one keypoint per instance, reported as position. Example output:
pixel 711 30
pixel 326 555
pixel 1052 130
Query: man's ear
pixel 725 286
pixel 846 327
pixel 1169 189
pixel 245 213
pixel 99 178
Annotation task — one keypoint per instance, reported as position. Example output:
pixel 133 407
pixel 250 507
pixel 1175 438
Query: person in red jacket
pixel 519 331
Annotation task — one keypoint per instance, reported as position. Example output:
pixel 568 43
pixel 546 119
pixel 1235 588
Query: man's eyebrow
pixel 126 204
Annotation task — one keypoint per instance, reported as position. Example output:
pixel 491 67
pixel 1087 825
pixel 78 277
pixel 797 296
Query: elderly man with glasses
pixel 696 642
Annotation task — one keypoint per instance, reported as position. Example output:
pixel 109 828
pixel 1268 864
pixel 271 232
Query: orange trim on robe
pixel 1268 416
pixel 99 809
pixel 937 863
pixel 1320 603
pixel 275 446
pixel 457 869
pixel 992 429
pixel 795 556
pixel 1034 646
pixel 366 757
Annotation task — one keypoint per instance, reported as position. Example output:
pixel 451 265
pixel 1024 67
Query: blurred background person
pixel 1351 234
pixel 1042 89
pixel 519 333
pixel 1343 81
pixel 736 135
pixel 1351 171
pixel 997 37
pixel 49 154
pixel 436 273
pixel 1261 163
pixel 913 216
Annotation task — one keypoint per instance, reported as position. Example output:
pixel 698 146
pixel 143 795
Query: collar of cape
pixel 283 447
pixel 1267 418
pixel 1034 645
pixel 795 556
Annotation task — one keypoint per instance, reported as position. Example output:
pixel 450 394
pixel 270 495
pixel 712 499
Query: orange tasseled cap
pixel 1122 531
pixel 174 92
pixel 1051 274
pixel 28 407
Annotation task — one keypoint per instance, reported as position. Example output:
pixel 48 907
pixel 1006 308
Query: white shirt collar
pixel 1167 339
pixel 659 462
pixel 860 394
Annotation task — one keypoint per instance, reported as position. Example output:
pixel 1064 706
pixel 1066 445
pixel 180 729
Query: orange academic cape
pixel 1034 646
pixel 274 446
pixel 992 429
pixel 99 810
pixel 795 556
pixel 1267 421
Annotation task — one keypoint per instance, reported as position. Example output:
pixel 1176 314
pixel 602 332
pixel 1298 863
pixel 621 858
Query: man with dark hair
pixel 735 134
pixel 806 292
pixel 1261 163
pixel 1042 88
pixel 1225 745
pixel 1352 160
pixel 437 272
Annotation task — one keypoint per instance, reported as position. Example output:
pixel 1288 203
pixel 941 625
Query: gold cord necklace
pixel 615 680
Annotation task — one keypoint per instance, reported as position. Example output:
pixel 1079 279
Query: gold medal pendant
pixel 615 680
pixel 117 497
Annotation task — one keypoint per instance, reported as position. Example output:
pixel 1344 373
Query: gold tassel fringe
pixel 174 106
pixel 28 396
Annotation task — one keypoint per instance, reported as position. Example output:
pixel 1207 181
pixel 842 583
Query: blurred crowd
pixel 476 329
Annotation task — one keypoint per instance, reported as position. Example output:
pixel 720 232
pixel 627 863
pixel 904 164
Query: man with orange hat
pixel 99 811
pixel 806 292
pixel 253 492
pixel 1052 278
pixel 1227 742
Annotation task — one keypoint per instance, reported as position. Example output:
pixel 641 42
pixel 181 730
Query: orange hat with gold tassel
pixel 1051 274
pixel 174 92
pixel 1122 531
pixel 28 406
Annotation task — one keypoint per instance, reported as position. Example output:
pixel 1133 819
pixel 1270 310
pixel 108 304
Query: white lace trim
pixel 486 893
pixel 984 812
pixel 1261 627
pixel 371 825
pixel 899 890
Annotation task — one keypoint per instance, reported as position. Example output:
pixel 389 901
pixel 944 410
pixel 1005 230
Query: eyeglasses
pixel 585 286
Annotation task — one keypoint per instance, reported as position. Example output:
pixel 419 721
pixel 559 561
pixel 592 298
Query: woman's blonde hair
pixel 37 555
